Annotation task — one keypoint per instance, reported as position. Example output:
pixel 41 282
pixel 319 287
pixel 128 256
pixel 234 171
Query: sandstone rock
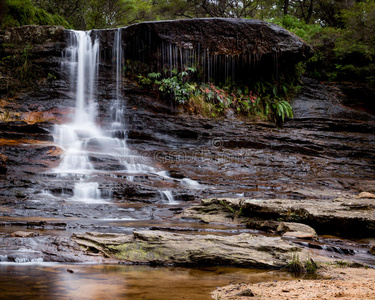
pixel 366 195
pixel 237 36
pixel 23 234
pixel 299 235
pixel 346 217
pixel 218 42
pixel 290 227
pixel 246 293
pixel 3 163
pixel 165 248
pixel 49 248
pixel 372 250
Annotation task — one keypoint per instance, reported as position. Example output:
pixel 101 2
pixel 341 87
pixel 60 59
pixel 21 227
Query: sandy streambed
pixel 336 283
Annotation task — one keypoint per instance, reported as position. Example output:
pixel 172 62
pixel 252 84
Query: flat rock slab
pixel 166 248
pixel 342 216
pixel 44 249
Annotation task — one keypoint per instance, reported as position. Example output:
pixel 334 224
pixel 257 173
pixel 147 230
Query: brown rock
pixel 23 234
pixel 166 248
pixel 246 293
pixel 366 195
pixel 299 235
pixel 3 163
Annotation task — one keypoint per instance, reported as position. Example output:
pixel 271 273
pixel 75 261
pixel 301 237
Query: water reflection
pixel 53 281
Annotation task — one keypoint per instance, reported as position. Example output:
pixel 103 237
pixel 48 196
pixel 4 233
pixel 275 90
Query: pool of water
pixel 82 281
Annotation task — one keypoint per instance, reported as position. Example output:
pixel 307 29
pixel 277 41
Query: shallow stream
pixel 56 281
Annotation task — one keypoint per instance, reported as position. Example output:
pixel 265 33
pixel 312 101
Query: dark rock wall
pixel 326 146
pixel 220 49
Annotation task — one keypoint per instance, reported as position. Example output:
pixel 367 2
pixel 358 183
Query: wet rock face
pixel 220 49
pixel 43 39
pixel 44 248
pixel 223 36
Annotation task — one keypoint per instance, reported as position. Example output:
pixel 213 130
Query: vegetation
pixel 262 100
pixel 341 32
pixel 297 267
pixel 25 12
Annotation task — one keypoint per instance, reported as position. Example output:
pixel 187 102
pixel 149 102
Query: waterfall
pixel 82 60
pixel 83 141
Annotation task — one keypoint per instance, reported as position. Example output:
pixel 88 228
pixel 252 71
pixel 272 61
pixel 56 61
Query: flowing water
pixel 83 141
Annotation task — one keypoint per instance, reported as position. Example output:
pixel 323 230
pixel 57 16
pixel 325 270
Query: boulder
pixel 166 248
pixel 219 48
pixel 23 234
pixel 366 195
pixel 222 36
pixel 341 216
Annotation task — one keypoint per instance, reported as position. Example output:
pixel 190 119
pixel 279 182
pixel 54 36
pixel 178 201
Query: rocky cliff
pixel 325 151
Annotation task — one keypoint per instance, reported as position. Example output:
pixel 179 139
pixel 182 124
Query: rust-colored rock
pixel 366 195
pixel 23 234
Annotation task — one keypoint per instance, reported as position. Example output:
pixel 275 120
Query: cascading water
pixel 82 140
pixel 82 57
pixel 132 161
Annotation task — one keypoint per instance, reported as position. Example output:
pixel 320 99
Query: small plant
pixel 297 267
pixel 310 266
pixel 51 77
pixel 217 297
pixel 342 263
pixel 265 100
pixel 235 212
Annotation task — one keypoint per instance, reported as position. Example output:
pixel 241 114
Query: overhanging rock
pixel 218 48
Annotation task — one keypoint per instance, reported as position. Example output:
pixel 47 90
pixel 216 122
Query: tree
pixel 329 13
pixel 230 8
pixel 71 10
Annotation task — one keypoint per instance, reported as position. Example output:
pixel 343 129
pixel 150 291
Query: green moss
pixel 138 252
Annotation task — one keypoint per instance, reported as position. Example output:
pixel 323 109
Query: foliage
pixel 24 12
pixel 175 85
pixel 341 32
pixel 266 100
pixel 298 27
pixel 107 13
pixel 340 54
pixel 355 49
pixel 297 267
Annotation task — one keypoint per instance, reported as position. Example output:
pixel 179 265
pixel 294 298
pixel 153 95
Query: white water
pixel 82 139
pixel 82 58
pixel 168 196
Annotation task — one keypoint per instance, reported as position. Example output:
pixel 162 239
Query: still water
pixel 54 281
